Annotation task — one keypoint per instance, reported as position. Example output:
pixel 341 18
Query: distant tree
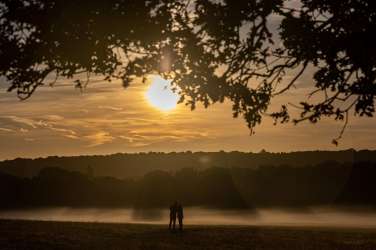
pixel 212 50
pixel 263 151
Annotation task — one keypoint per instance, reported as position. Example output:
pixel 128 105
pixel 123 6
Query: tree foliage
pixel 328 183
pixel 212 50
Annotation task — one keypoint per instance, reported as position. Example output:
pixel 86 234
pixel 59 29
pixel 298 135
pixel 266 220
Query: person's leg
pixel 169 226
pixel 181 224
pixel 173 223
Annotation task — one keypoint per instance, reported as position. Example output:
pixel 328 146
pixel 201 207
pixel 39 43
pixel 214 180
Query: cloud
pixel 99 138
pixel 54 117
pixel 49 124
pixel 112 108
pixel 6 130
pixel 24 130
pixel 62 130
pixel 140 144
pixel 68 133
pixel 70 136
pixel 139 138
pixel 23 121
pixel 128 138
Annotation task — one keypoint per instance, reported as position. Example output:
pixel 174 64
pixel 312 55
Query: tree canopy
pixel 243 51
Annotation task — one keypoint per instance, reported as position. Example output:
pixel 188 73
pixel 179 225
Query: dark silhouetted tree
pixel 212 50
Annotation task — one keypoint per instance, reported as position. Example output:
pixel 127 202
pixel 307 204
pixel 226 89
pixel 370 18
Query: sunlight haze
pixel 160 94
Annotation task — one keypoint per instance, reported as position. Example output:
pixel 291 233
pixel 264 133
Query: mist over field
pixel 320 217
pixel 251 194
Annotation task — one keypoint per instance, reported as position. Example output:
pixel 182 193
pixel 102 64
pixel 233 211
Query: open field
pixel 16 234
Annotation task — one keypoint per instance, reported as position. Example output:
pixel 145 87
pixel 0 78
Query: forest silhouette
pixel 241 187
pixel 130 165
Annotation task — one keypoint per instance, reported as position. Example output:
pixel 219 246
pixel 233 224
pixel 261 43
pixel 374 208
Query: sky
pixel 106 118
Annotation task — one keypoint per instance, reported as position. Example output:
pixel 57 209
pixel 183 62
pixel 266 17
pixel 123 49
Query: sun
pixel 160 94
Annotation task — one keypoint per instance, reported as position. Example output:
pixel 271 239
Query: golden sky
pixel 106 118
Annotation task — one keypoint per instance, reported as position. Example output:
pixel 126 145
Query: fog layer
pixel 323 217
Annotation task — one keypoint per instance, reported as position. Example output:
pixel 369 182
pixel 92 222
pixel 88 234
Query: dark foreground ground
pixel 66 235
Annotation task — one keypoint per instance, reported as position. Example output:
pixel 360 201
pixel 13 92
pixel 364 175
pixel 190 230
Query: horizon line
pixel 179 152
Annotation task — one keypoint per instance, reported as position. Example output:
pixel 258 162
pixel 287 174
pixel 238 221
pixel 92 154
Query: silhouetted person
pixel 180 214
pixel 173 209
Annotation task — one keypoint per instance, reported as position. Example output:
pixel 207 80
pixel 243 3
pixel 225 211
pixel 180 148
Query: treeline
pixel 233 188
pixel 139 164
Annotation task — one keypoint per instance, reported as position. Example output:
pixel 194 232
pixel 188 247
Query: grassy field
pixel 70 235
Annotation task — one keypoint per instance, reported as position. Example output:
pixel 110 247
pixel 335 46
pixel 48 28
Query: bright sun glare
pixel 160 94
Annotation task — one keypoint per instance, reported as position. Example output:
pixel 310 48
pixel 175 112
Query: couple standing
pixel 176 210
